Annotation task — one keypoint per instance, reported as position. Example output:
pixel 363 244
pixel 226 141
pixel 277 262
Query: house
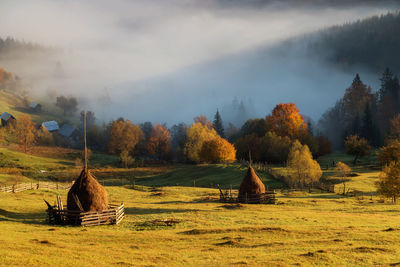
pixel 69 132
pixel 6 118
pixel 35 107
pixel 50 126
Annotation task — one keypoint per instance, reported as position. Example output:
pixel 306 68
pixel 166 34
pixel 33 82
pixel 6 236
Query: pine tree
pixel 218 126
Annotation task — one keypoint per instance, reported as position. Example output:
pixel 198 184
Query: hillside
pixel 371 43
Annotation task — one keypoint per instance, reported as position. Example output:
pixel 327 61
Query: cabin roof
pixel 50 126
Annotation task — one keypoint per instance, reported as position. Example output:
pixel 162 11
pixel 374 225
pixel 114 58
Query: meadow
pixel 171 223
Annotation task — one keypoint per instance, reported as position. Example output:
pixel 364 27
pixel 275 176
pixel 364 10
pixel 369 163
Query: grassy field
pixel 171 223
pixel 302 229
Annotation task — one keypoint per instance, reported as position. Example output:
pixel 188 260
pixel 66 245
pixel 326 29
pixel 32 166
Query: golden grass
pixel 183 226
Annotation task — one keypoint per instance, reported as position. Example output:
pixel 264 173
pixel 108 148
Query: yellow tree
pixel 390 153
pixel 343 170
pixel 159 143
pixel 203 120
pixel 356 146
pixel 304 170
pixel 197 134
pixel 217 150
pixel 25 132
pixel 389 182
pixel 286 120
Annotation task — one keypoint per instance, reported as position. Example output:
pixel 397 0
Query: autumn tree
pixel 394 132
pixel 390 153
pixel 356 146
pixel 389 182
pixel 44 137
pixel 126 159
pixel 304 170
pixel 218 125
pixel 25 132
pixel 68 105
pixel 203 120
pixel 197 134
pixel 159 143
pixel 124 135
pixel 343 170
pixel 250 142
pixel 217 150
pixel 324 146
pixel 286 120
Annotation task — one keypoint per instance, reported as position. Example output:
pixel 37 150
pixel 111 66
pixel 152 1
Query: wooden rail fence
pixel 113 215
pixel 15 188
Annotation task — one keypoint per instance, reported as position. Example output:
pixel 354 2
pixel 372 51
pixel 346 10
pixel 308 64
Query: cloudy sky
pixel 115 44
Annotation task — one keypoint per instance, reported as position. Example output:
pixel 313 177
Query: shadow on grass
pixel 144 211
pixel 24 217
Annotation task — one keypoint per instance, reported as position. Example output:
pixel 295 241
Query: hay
pixel 91 195
pixel 251 186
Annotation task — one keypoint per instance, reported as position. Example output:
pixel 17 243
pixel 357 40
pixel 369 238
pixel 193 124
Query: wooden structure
pixel 60 216
pixel 269 197
pixel 15 188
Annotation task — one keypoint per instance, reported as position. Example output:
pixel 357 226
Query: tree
pixel 197 134
pixel 356 97
pixel 218 126
pixel 389 182
pixel 203 120
pixel 274 148
pixel 303 169
pixel 68 105
pixel 324 146
pixel 159 143
pixel 178 140
pixel 217 150
pixel 343 170
pixel 124 135
pixel 285 120
pixel 390 153
pixel 254 126
pixel 25 132
pixel 126 159
pixel 356 146
pixel 248 143
pixel 44 137
pixel 394 132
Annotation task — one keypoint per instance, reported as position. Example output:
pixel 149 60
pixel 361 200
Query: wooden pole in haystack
pixel 84 137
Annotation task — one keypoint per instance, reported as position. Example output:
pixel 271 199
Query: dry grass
pixel 178 229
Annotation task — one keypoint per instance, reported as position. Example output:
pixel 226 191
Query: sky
pixel 170 60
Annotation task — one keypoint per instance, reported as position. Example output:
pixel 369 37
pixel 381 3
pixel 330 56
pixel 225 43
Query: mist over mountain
pixel 168 61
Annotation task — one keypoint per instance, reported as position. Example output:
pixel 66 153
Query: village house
pixel 6 118
pixel 35 107
pixel 50 126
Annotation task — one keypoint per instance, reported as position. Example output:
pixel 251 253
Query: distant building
pixel 35 107
pixel 6 118
pixel 69 132
pixel 50 126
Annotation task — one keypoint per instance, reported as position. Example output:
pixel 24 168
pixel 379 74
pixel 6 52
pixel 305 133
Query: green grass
pixel 205 175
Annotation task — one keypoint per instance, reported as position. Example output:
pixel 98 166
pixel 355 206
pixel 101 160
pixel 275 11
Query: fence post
pixel 246 198
pixel 13 188
pixel 194 183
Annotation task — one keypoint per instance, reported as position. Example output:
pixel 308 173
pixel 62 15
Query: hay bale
pixel 91 195
pixel 251 186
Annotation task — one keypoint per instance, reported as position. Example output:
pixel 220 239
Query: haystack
pixel 87 194
pixel 251 187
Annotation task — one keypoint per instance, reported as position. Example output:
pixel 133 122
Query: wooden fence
pixel 15 188
pixel 113 215
pixel 229 196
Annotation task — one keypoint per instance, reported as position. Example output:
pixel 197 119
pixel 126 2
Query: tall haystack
pixel 87 194
pixel 251 187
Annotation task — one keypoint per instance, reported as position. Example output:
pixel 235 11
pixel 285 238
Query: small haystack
pixel 86 194
pixel 251 187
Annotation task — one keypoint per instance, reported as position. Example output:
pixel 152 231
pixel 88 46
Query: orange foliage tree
pixel 285 120
pixel 124 136
pixel 159 143
pixel 25 132
pixel 217 150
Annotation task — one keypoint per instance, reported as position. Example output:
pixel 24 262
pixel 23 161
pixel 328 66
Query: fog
pixel 169 60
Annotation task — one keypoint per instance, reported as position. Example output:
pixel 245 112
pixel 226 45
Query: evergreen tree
pixel 218 126
pixel 368 129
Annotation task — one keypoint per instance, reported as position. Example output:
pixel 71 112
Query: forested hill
pixel 11 48
pixel 373 43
